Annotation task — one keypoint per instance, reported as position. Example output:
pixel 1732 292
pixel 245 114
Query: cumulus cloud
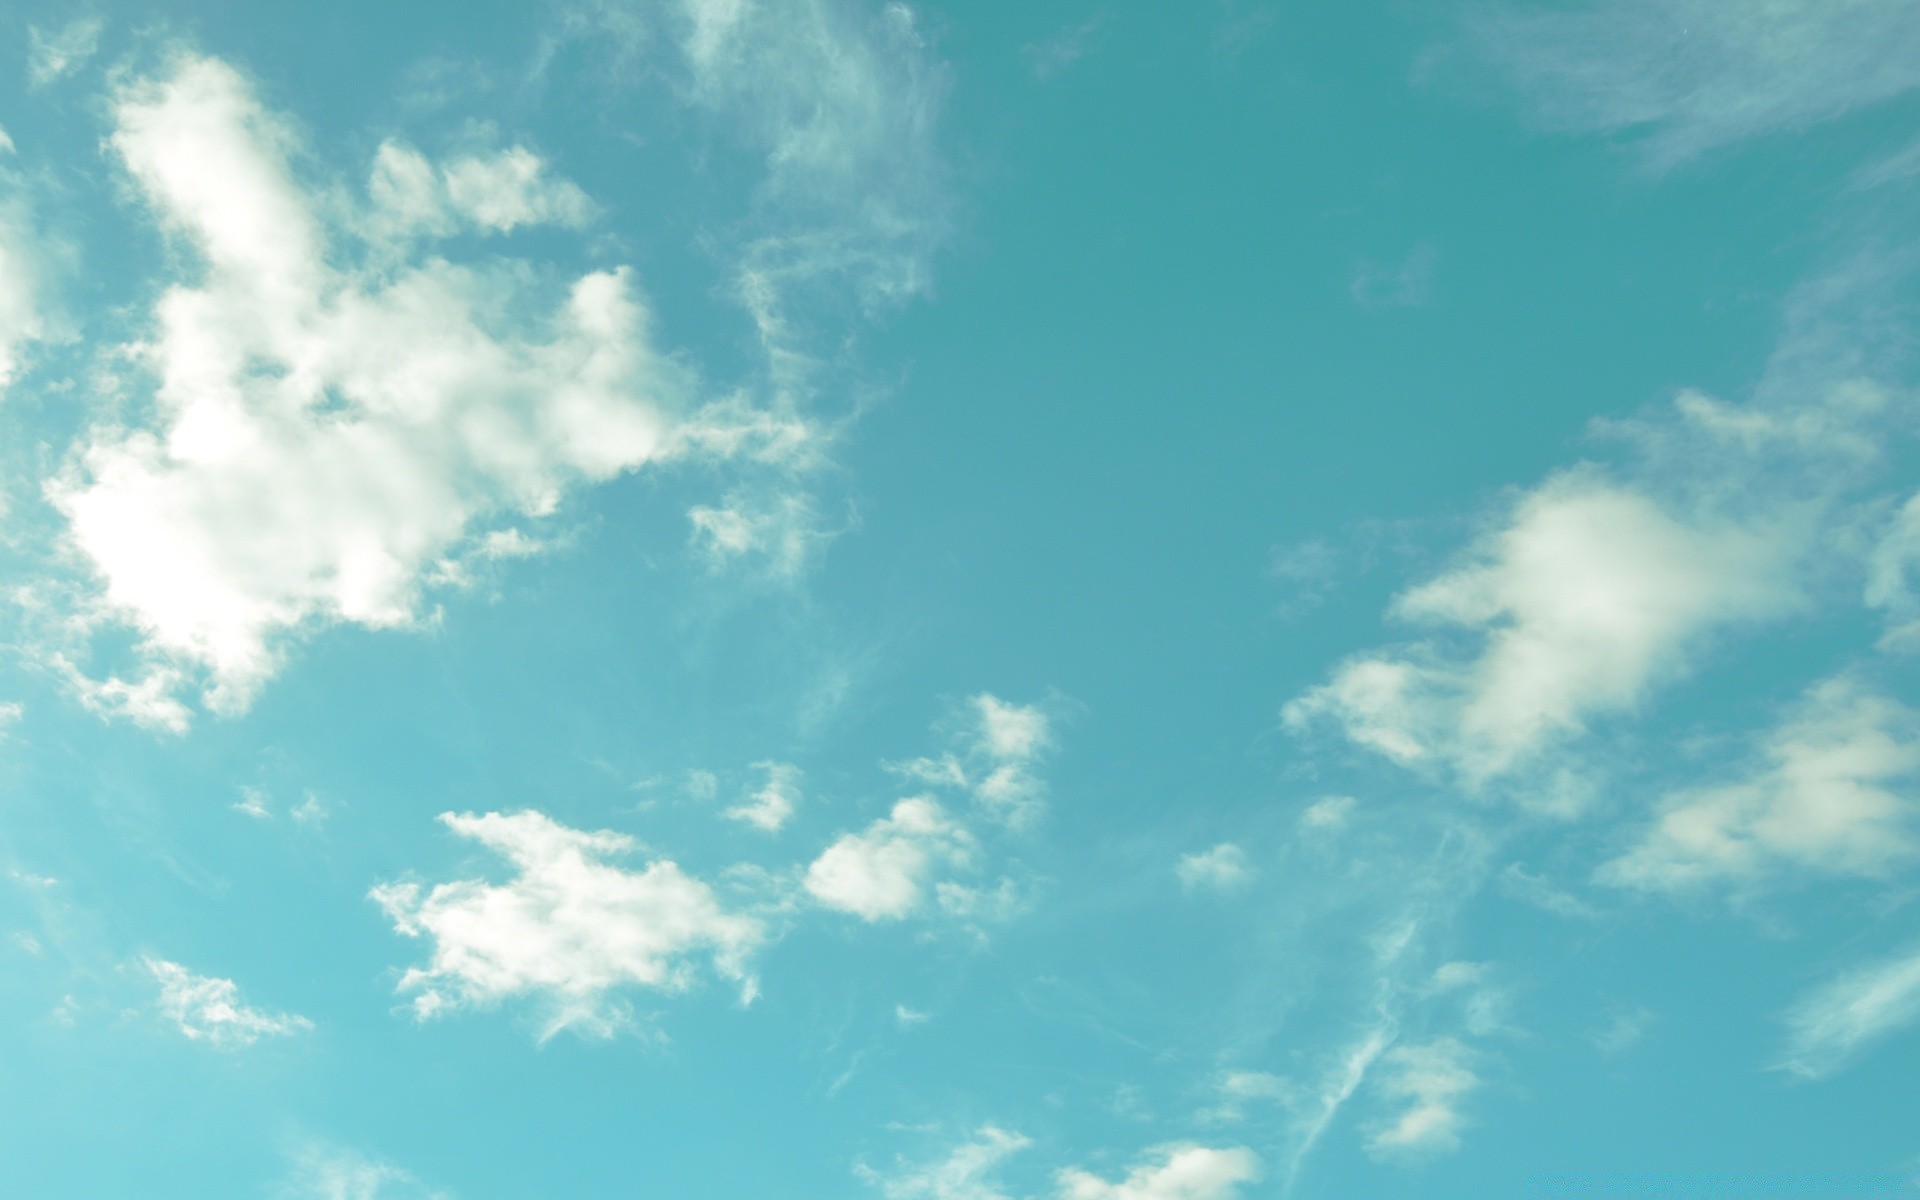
pixel 772 805
pixel 1178 1172
pixel 209 1010
pixel 570 930
pixel 1221 869
pixel 884 873
pixel 1429 1080
pixel 1822 798
pixel 324 435
pixel 1584 597
pixel 1831 1026
pixel 1890 587
pixel 1687 76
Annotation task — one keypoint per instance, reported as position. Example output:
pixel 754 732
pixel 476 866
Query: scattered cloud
pixel 1820 799
pixel 1834 1023
pixel 1587 594
pixel 1327 813
pixel 772 805
pixel 209 1010
pixel 1429 1080
pixel 969 1172
pixel 322 1171
pixel 1052 55
pixel 55 54
pixel 570 930
pixel 1682 77
pixel 1179 1172
pixel 885 872
pixel 1518 883
pixel 997 750
pixel 1221 869
pixel 1623 1030
pixel 1405 284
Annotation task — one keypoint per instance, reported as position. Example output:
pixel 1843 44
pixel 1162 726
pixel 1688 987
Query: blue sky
pixel 823 599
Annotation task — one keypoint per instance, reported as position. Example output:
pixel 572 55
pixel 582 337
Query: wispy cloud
pixel 1834 1023
pixel 1683 77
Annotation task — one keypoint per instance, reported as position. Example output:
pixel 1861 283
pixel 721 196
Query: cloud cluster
pixel 569 930
pixel 329 428
pixel 209 1010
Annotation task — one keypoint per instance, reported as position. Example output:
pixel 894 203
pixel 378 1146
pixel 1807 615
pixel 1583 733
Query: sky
pixel 854 600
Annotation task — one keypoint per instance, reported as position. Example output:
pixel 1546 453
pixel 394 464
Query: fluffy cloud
pixel 1820 799
pixel 324 435
pixel 1830 1026
pixel 1588 594
pixel 885 872
pixel 209 1010
pixel 1429 1080
pixel 1220 869
pixel 570 929
pixel 771 806
pixel 1182 1172
pixel 1690 75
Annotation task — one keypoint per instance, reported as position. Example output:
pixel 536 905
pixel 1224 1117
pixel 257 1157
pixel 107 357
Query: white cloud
pixel 1686 76
pixel 1430 1079
pixel 323 434
pixel 23 273
pixel 327 1172
pixel 54 54
pixel 845 106
pixel 771 806
pixel 996 752
pixel 1585 597
pixel 253 803
pixel 569 930
pixel 1821 799
pixel 1221 869
pixel 1889 587
pixel 1833 1024
pixel 970 1172
pixel 148 701
pixel 209 1010
pixel 1183 1172
pixel 1328 812
pixel 491 193
pixel 884 872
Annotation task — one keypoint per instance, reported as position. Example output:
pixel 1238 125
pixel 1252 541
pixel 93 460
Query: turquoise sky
pixel 834 600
